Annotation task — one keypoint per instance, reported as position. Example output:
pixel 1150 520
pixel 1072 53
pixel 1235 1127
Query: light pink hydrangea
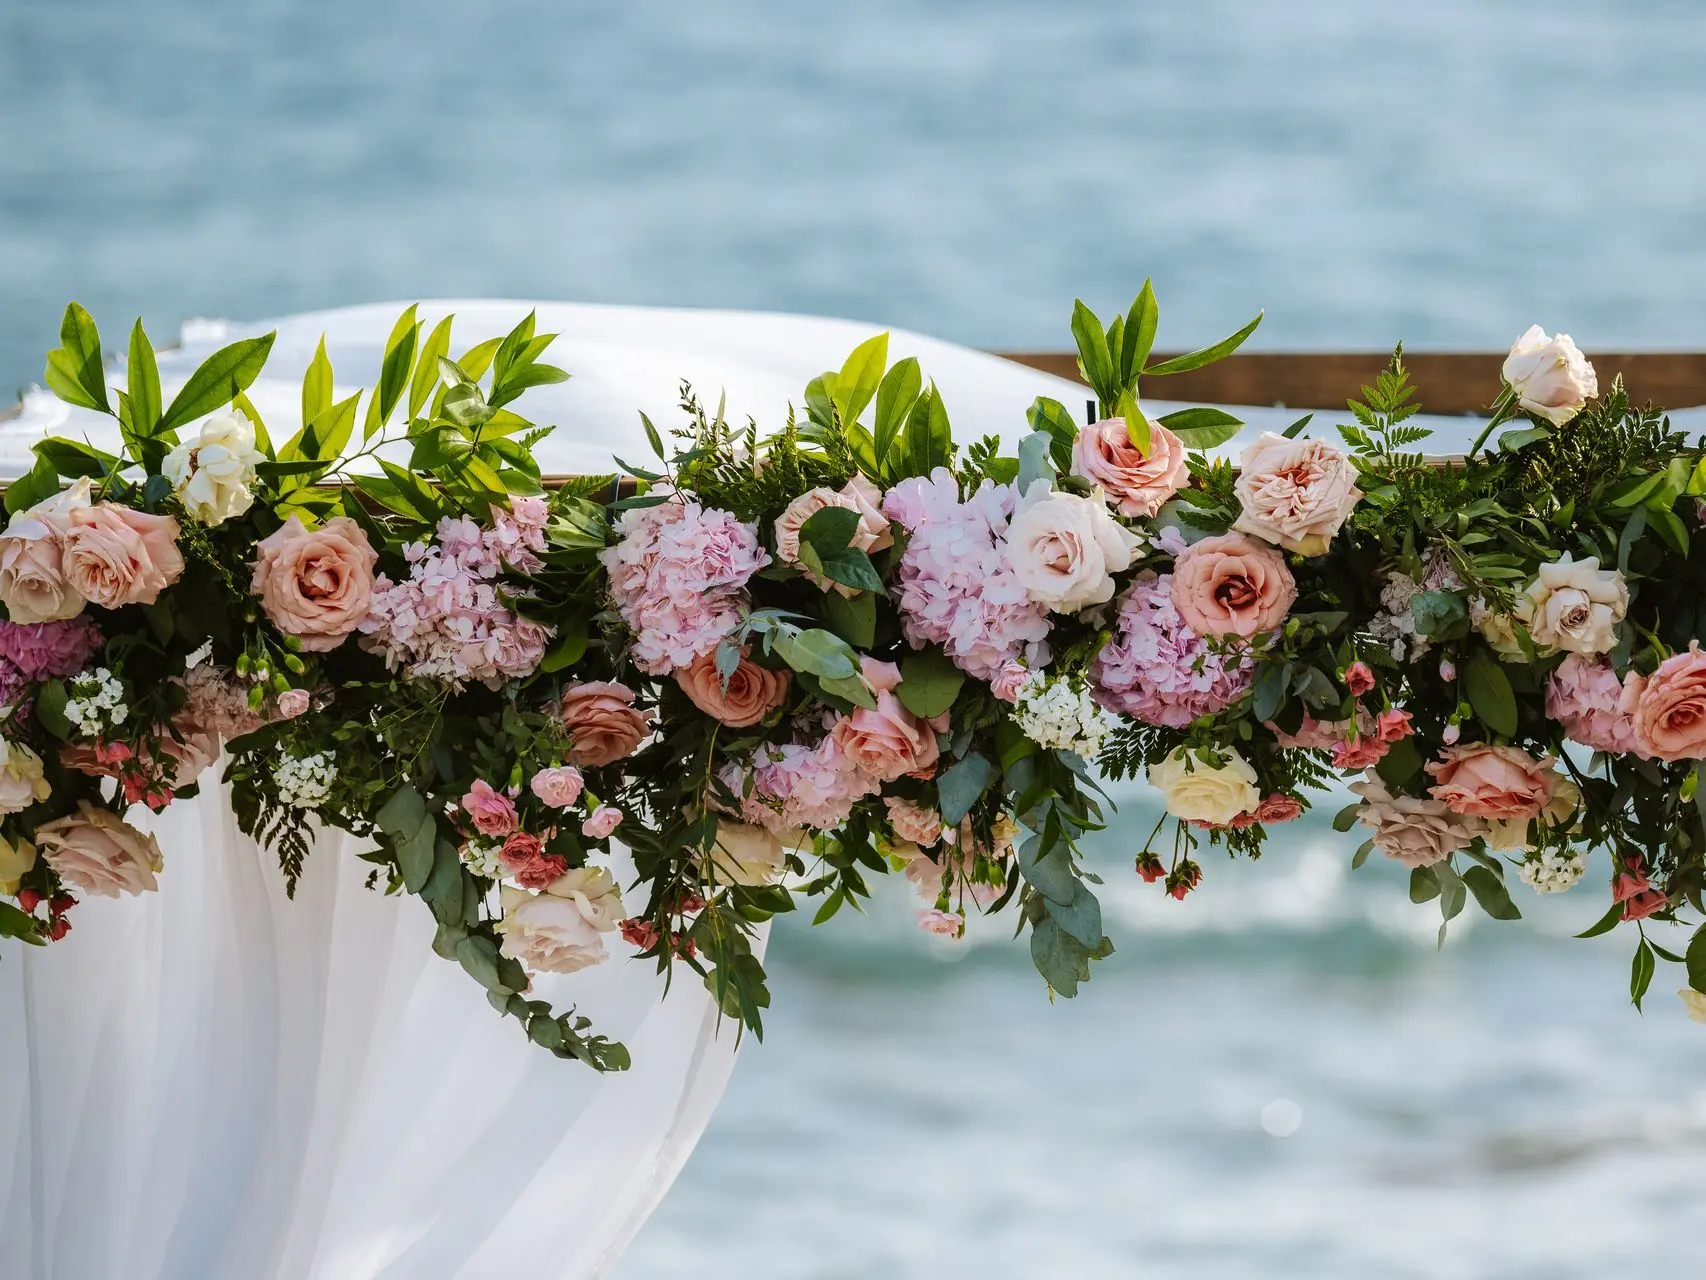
pixel 678 576
pixel 1159 670
pixel 955 587
pixel 796 786
pixel 447 620
pixel 1592 705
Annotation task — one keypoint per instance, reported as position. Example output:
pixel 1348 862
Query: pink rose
pixel 490 810
pixel 558 787
pixel 1313 734
pixel 523 856
pixel 43 649
pixel 1593 706
pixel 1008 681
pixel 547 933
pixel 97 852
pixel 605 819
pixel 944 924
pixel 912 822
pixel 1359 679
pixel 1295 493
pixel 886 742
pixel 752 692
pixel 1670 717
pixel 601 718
pixel 1228 585
pixel 1482 781
pixel 1413 830
pixel 1362 752
pixel 315 584
pixel 32 559
pixel 1393 725
pixel 1135 483
pixel 115 556
pixel 1278 808
pixel 292 703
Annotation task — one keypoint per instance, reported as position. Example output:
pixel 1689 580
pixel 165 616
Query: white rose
pixel 1201 792
pixel 1295 493
pixel 16 861
pixel 746 855
pixel 1574 605
pixel 1695 1003
pixel 21 781
pixel 594 893
pixel 1551 378
pixel 547 934
pixel 212 476
pixel 1065 549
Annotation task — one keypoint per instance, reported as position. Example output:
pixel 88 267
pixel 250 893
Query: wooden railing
pixel 1448 382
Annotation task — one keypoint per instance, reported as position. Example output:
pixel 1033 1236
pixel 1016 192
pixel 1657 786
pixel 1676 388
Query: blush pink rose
pixel 490 810
pixel 315 584
pixel 1393 724
pixel 115 556
pixel 944 924
pixel 558 787
pixel 523 856
pixel 1135 483
pixel 1229 585
pixel 1361 752
pixel 601 718
pixel 1008 681
pixel 752 692
pixel 1359 679
pixel 99 853
pixel 604 819
pixel 1670 715
pixel 1483 781
pixel 886 742
pixel 921 826
pixel 292 703
pixel 1277 808
pixel 32 559
pixel 1295 493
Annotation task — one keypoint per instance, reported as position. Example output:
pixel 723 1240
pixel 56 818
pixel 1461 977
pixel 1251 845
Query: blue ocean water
pixel 1446 173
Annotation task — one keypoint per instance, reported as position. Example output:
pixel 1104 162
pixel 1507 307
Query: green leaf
pixel 860 377
pixel 1606 922
pixel 570 646
pixel 1346 818
pixel 221 376
pixel 1136 424
pixel 1202 428
pixel 479 956
pixel 1641 973
pixel 1635 490
pixel 1296 428
pixel 1048 872
pixel 848 688
pixel 829 530
pixel 896 395
pixel 50 709
pixel 1206 355
pixel 38 484
pixel 245 406
pixel 393 372
pixel 819 653
pixel 1671 529
pixel 1093 358
pixel 1063 961
pixel 959 786
pixel 317 385
pixel 1273 683
pixel 853 618
pixel 478 358
pixel 74 371
pixel 1423 886
pixel 929 683
pixel 1081 917
pixel 1052 416
pixel 1139 336
pixel 1034 461
pixel 929 439
pixel 1490 892
pixel 413 834
pixel 1512 441
pixel 74 457
pixel 1696 959
pixel 1489 691
pixel 434 349
pixel 143 372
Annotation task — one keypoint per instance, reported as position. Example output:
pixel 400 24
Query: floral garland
pixel 776 665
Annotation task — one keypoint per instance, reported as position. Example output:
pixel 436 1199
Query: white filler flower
pixel 305 781
pixel 1060 714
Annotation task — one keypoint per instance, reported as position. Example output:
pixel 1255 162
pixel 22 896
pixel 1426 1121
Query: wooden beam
pixel 1448 382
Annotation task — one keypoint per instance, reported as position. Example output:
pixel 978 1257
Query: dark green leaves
pixel 1696 959
pixel 1490 892
pixel 74 371
pixel 1202 428
pixel 897 393
pixel 825 550
pixel 1093 359
pixel 413 835
pixel 144 377
pixel 216 383
pixel 393 372
pixel 1490 695
pixel 929 438
pixel 1641 972
pixel 929 683
pixel 959 786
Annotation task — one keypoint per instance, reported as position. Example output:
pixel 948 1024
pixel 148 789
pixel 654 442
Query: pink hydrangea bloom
pixel 1592 705
pixel 1159 670
pixel 954 586
pixel 796 786
pixel 44 649
pixel 678 576
pixel 447 620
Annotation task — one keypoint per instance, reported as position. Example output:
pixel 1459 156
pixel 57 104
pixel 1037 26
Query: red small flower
pixel 28 901
pixel 59 928
pixel 689 904
pixel 1393 725
pixel 1358 753
pixel 640 933
pixel 1359 679
pixel 1187 877
pixel 1645 904
pixel 1150 868
pixel 61 903
pixel 523 856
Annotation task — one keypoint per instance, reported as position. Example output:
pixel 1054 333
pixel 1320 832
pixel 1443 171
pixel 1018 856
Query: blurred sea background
pixel 1281 1076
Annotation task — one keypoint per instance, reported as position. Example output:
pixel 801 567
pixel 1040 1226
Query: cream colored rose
pixel 745 855
pixel 594 893
pixel 17 860
pixel 1694 1002
pixel 99 853
pixel 1497 629
pixel 212 475
pixel 1295 493
pixel 547 934
pixel 1574 605
pixel 1551 378
pixel 1065 549
pixel 32 559
pixel 1199 791
pixel 21 780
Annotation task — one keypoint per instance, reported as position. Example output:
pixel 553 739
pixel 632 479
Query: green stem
pixel 1502 412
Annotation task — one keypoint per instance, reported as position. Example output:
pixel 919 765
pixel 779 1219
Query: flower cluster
pixel 305 781
pixel 1061 714
pixel 97 703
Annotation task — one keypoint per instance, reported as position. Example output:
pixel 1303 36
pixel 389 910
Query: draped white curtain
pixel 214 1083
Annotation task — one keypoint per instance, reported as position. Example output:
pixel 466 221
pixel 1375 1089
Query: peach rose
pixel 752 693
pixel 1482 781
pixel 315 584
pixel 1135 483
pixel 857 495
pixel 1231 586
pixel 913 823
pixel 1065 549
pixel 115 556
pixel 98 852
pixel 32 559
pixel 1295 493
pixel 1670 715
pixel 888 742
pixel 601 719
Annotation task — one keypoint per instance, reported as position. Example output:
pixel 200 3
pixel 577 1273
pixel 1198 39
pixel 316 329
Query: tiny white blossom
pixel 96 704
pixel 305 781
pixel 1552 870
pixel 481 857
pixel 1061 714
